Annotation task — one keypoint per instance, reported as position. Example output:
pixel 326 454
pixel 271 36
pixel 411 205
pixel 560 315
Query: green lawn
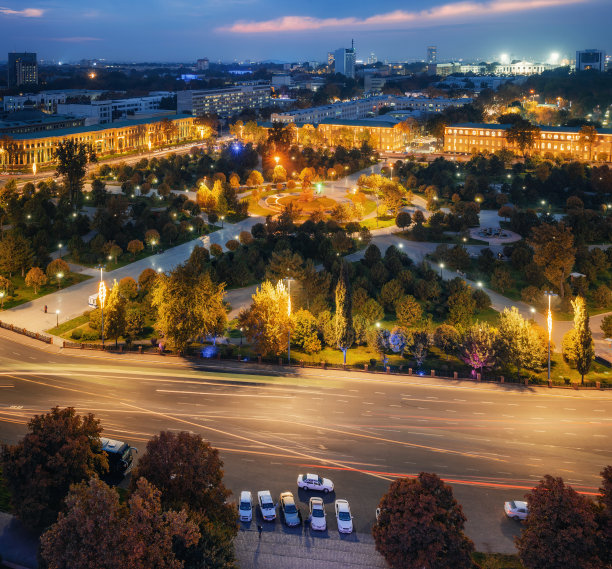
pixel 371 223
pixel 22 293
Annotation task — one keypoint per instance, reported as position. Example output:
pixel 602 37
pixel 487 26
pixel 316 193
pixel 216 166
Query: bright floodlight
pixel 504 58
pixel 554 58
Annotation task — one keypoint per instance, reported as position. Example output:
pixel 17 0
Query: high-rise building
pixel 372 59
pixel 590 59
pixel 22 69
pixel 202 64
pixel 344 61
pixel 224 102
pixel 432 54
pixel 330 58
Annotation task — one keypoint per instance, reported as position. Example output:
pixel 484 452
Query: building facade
pixel 45 101
pixel 591 59
pixel 432 54
pixel 383 136
pixel 22 69
pixel 344 61
pixel 224 102
pixel 105 112
pixel 21 151
pixel 563 142
pixel 202 64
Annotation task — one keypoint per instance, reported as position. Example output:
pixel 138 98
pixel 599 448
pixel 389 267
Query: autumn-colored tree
pixel 255 179
pixel 245 238
pixel 554 251
pixel 142 534
pixel 135 246
pixel 605 516
pixel 128 288
pixel 189 473
pixel 421 526
pixel 5 287
pixel 283 264
pixel 60 448
pixel 57 269
pixel 114 313
pixel 188 305
pixel 408 311
pixel 147 278
pixel 36 279
pixel 524 135
pixel 447 339
pixel 15 253
pixel 152 238
pixel 304 332
pixel 560 530
pixel 267 322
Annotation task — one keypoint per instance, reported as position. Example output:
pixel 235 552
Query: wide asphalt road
pixel 491 442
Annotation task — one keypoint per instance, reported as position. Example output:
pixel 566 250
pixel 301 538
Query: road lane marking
pixel 255 396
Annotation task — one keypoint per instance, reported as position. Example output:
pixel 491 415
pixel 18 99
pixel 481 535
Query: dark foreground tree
pixel 345 334
pixel 60 448
pixel 188 471
pixel 560 531
pixel 72 158
pixel 605 517
pixel 421 526
pixel 97 532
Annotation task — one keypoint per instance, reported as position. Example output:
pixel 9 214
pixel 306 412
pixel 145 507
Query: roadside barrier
pixel 198 355
pixel 28 333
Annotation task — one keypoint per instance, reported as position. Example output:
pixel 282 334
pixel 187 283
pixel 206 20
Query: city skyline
pixel 183 30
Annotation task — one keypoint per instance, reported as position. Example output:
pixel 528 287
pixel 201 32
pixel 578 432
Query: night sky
pixel 184 30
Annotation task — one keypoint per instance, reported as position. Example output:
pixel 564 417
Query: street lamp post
pixel 222 218
pixel 59 279
pixel 2 293
pixel 57 318
pixel 60 250
pixel 289 315
pixel 441 269
pixel 101 299
pixel 549 294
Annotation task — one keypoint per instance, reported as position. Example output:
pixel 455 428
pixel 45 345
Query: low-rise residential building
pixel 381 135
pixel 22 151
pixel 561 141
pixel 105 112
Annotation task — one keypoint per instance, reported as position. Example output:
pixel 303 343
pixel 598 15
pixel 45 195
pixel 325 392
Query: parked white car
pixel 516 510
pixel 344 517
pixel 266 505
pixel 317 517
pixel 245 507
pixel 315 482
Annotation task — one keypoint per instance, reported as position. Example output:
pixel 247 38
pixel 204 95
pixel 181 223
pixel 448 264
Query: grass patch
pixel 308 206
pixel 371 223
pixel 497 561
pixel 70 325
pixel 22 293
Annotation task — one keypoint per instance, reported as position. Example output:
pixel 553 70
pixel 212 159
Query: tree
pixel 398 340
pixel 135 246
pixel 15 253
pixel 283 264
pixel 419 346
pixel 501 279
pixel 523 134
pixel 5 287
pixel 587 136
pixel 554 251
pixel 152 238
pixel 36 279
pixel 72 159
pixel 345 335
pixel 421 526
pixel 447 339
pixel 606 326
pixel 518 343
pixel 408 311
pixel 146 279
pixel 189 473
pixel 57 269
pixel 305 334
pixel 142 534
pixel 255 179
pixel 188 305
pixel 134 324
pixel 128 288
pixel 403 219
pixel 267 321
pixel 578 346
pixel 371 311
pixel 461 308
pixel 605 517
pixel 114 313
pixel 478 347
pixel 390 293
pixel 60 448
pixel 560 530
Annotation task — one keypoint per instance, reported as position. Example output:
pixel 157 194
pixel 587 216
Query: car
pixel 317 514
pixel 516 510
pixel 266 505
pixel 291 513
pixel 343 516
pixel 315 482
pixel 245 507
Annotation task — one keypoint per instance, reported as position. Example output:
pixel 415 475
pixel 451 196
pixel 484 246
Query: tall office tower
pixel 432 54
pixel 590 59
pixel 22 69
pixel 202 64
pixel 344 61
pixel 372 59
pixel 330 58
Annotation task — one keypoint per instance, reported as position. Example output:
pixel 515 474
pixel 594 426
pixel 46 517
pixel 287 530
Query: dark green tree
pixel 72 159
pixel 345 334
pixel 579 348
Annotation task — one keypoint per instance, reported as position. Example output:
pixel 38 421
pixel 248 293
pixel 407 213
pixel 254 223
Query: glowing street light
pixel 2 293
pixel 59 279
pixel 549 294
pixel 276 159
pixel 57 318
pixel 441 265
pixel 59 246
pixel 102 300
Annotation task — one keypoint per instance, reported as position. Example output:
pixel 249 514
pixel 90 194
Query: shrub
pixel 77 334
